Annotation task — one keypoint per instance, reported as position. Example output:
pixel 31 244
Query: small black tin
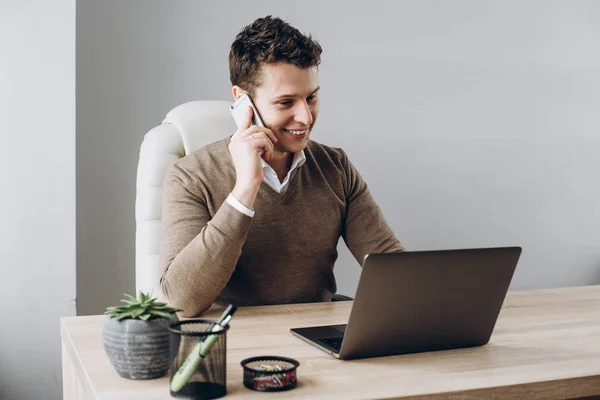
pixel 270 373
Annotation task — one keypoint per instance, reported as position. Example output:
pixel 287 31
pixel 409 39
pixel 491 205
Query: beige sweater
pixel 211 252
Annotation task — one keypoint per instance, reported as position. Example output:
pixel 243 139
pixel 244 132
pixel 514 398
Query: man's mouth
pixel 296 132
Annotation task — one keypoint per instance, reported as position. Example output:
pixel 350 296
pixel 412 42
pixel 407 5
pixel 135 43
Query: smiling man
pixel 255 219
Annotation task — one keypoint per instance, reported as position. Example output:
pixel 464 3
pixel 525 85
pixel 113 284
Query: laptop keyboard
pixel 335 342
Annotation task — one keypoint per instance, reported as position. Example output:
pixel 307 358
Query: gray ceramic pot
pixel 138 349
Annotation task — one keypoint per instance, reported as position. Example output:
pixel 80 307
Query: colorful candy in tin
pixel 270 373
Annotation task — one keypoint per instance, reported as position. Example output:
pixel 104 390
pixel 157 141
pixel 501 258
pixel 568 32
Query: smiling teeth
pixel 297 132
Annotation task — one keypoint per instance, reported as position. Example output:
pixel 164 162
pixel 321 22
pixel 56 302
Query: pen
pixel 199 352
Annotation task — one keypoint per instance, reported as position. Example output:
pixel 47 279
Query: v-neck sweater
pixel 213 253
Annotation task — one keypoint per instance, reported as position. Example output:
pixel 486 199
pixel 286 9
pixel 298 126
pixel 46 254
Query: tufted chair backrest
pixel 185 129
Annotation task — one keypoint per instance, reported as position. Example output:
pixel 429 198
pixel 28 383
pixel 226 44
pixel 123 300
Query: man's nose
pixel 303 114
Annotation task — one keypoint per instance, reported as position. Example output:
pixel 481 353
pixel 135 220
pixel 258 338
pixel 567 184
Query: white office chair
pixel 185 129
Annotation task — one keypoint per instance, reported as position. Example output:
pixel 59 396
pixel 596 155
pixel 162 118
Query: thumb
pixel 247 121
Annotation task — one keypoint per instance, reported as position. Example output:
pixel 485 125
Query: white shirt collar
pixel 271 179
pixel 298 161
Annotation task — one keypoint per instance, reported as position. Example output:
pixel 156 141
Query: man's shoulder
pixel 211 159
pixel 216 152
pixel 324 154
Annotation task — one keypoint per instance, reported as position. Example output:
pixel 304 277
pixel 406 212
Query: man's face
pixel 288 103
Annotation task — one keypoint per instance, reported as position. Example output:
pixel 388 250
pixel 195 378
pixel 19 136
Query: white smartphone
pixel 238 111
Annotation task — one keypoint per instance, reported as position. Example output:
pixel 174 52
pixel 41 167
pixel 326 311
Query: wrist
pixel 246 194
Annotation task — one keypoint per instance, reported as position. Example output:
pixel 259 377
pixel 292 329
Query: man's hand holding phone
pixel 246 147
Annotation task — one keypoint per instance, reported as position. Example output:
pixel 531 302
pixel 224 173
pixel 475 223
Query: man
pixel 255 219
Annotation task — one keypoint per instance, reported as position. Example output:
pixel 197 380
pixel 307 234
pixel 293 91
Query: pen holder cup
pixel 197 360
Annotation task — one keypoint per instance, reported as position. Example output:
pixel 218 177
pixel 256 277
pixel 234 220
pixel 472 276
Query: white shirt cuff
pixel 239 206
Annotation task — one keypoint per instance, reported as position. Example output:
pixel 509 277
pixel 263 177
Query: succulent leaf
pixel 143 307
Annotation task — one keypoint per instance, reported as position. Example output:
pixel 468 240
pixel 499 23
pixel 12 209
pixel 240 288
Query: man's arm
pixel 365 230
pixel 198 254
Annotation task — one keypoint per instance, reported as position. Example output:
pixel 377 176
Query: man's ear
pixel 237 91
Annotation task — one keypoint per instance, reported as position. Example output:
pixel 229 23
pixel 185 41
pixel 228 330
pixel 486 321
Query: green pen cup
pixel 197 360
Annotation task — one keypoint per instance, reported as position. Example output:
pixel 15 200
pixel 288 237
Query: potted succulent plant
pixel 136 336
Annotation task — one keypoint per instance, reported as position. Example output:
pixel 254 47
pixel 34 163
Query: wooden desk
pixel 546 345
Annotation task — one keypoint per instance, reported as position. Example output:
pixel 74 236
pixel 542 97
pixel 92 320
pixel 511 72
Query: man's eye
pixel 311 98
pixel 285 102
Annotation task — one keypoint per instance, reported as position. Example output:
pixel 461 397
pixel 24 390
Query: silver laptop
pixel 421 301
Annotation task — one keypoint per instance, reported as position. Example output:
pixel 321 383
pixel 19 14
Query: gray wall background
pixel 37 193
pixel 475 123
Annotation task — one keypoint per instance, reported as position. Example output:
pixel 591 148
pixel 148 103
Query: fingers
pixel 259 129
pixel 261 142
pixel 242 135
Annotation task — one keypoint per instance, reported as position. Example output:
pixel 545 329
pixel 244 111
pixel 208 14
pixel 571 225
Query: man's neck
pixel 281 163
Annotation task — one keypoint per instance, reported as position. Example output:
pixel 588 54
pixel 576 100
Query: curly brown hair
pixel 269 40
